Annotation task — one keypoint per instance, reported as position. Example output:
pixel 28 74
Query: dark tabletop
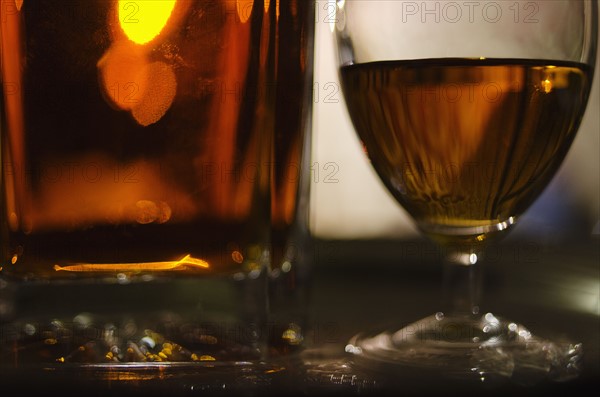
pixel 552 285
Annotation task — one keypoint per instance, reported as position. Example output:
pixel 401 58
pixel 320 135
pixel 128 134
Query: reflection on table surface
pixel 552 288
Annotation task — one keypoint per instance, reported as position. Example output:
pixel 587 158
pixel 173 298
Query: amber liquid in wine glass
pixel 465 128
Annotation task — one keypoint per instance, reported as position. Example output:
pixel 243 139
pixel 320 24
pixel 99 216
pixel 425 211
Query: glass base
pixel 478 347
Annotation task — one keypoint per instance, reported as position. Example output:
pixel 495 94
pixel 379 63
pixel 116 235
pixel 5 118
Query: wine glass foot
pixel 478 347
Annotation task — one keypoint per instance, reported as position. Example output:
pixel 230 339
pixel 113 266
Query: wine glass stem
pixel 462 286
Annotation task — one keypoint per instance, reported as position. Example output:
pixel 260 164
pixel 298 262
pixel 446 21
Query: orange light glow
pixel 183 263
pixel 143 20
pixel 130 80
pixel 244 9
pixel 547 86
pixel 124 74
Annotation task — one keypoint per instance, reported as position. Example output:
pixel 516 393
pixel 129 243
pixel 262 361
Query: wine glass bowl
pixel 466 164
pixel 466 112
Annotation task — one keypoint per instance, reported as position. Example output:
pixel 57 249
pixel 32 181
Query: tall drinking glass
pixel 137 151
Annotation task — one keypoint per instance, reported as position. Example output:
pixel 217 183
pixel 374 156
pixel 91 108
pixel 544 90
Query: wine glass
pixel 466 111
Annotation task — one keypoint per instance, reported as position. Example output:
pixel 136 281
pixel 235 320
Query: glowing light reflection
pixel 183 263
pixel 244 9
pixel 143 20
pixel 473 259
pixel 547 86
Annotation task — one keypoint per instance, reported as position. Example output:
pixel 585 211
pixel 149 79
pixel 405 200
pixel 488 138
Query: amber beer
pixel 137 137
pixel 153 147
